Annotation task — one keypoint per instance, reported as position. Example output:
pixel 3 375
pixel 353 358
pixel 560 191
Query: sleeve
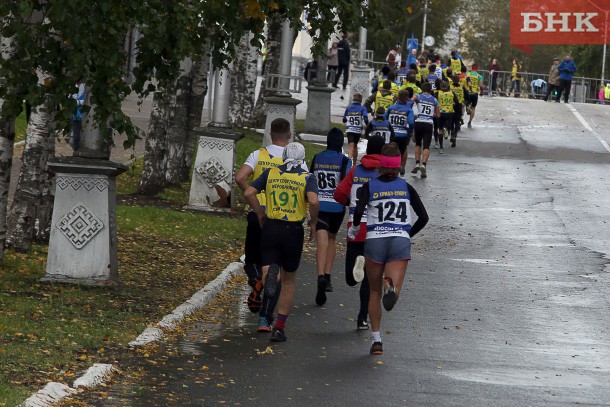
pixel 365 115
pixel 369 101
pixel 312 184
pixel 342 192
pixel 346 164
pixel 252 159
pixel 410 118
pixel 368 129
pixel 387 113
pixel 345 116
pixel 260 183
pixel 362 201
pixel 313 161
pixel 420 211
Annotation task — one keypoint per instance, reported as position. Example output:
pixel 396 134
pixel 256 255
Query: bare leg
pixel 287 293
pixel 396 270
pixel 374 273
pixel 331 252
pixel 322 251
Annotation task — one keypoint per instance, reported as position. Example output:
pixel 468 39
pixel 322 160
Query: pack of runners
pixel 422 102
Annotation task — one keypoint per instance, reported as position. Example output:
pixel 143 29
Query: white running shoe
pixel 359 269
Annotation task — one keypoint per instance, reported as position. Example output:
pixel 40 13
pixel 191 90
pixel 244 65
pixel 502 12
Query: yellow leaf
pixel 379 362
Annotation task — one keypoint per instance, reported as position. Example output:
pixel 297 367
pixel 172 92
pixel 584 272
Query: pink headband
pixel 390 162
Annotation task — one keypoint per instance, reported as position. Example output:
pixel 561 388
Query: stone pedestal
pixel 361 82
pixel 213 174
pixel 83 242
pixel 279 106
pixel 317 119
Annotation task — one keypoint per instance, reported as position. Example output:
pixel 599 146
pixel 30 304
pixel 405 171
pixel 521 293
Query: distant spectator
pixel 494 68
pixel 566 69
pixel 391 58
pixel 344 60
pixel 333 60
pixel 311 71
pixel 515 76
pixel 553 83
pixel 412 57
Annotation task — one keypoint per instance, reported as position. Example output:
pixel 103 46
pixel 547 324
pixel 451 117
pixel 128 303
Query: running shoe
pixel 453 143
pixel 321 295
pixel 468 111
pixel 254 299
pixel 470 124
pixel 422 169
pixel 358 271
pixel 377 348
pixel 253 274
pixel 362 325
pixel 263 325
pixel 271 280
pixel 415 169
pixel 435 146
pixel 446 135
pixel 441 151
pixel 278 335
pixel 402 171
pixel 389 295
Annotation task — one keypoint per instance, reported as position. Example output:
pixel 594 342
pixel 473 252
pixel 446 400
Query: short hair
pixel 403 95
pixel 410 92
pixel 380 111
pixel 411 77
pixel 413 66
pixel 280 129
pixel 444 86
pixel 426 87
pixel 387 85
pixel 385 69
pixel 375 145
pixel 357 97
pixel 391 76
pixel 475 67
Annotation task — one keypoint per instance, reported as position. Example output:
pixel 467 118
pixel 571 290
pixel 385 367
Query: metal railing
pixel 585 90
pixel 283 83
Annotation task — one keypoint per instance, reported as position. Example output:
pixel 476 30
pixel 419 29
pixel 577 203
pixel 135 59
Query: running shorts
pixel 387 249
pixel 282 244
pixel 330 221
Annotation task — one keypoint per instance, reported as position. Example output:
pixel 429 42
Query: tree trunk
pixel 243 83
pixel 7 139
pixel 177 129
pixel 30 211
pixel 199 88
pixel 274 34
pixel 152 180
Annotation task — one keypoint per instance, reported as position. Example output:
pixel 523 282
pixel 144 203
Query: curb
pixel 19 143
pixel 97 374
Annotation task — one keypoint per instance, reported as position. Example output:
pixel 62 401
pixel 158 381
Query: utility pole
pixel 425 20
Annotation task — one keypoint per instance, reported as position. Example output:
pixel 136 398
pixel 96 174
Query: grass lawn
pixel 52 332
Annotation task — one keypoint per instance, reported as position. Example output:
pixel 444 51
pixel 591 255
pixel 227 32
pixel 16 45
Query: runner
pixel 400 116
pixel 460 91
pixel 387 249
pixel 288 189
pixel 345 194
pixel 447 101
pixel 473 96
pixel 428 108
pixel 356 117
pixel 256 163
pixel 383 98
pixel 329 168
pixel 379 126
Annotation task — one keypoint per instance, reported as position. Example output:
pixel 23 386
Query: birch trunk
pixel 243 83
pixel 7 140
pixel 31 208
pixel 153 180
pixel 177 130
pixel 199 88
pixel 272 66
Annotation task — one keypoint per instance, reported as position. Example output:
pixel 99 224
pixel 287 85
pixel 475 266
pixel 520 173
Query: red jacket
pixel 344 189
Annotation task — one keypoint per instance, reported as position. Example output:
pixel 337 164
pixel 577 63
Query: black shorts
pixel 252 245
pixel 402 143
pixel 330 221
pixel 423 134
pixel 473 98
pixel 353 138
pixel 282 244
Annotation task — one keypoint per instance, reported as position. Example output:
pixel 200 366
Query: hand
pixel 312 229
pixel 261 220
pixel 353 231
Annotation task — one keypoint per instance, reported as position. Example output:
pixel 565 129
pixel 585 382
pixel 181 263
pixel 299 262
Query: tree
pixel 30 215
pixel 243 83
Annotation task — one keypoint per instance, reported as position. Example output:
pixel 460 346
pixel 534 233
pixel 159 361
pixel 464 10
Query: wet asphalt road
pixel 506 300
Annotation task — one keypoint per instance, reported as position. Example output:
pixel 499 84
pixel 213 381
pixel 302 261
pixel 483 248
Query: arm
pixel 311 191
pixel 410 119
pixel 365 115
pixel 361 203
pixel 256 187
pixel 420 211
pixel 367 130
pixel 242 176
pixel 345 116
pixel 368 102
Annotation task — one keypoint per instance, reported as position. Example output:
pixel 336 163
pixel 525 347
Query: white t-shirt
pixel 274 151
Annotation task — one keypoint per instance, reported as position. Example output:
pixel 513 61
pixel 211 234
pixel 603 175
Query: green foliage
pixel 67 41
pixel 398 24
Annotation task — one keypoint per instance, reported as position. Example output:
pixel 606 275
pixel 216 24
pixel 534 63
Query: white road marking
pixel 588 127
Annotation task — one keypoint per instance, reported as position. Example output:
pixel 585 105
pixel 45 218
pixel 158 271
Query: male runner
pixel 289 189
pixel 428 108
pixel 379 126
pixel 329 168
pixel 473 96
pixel 400 116
pixel 256 163
pixel 356 117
